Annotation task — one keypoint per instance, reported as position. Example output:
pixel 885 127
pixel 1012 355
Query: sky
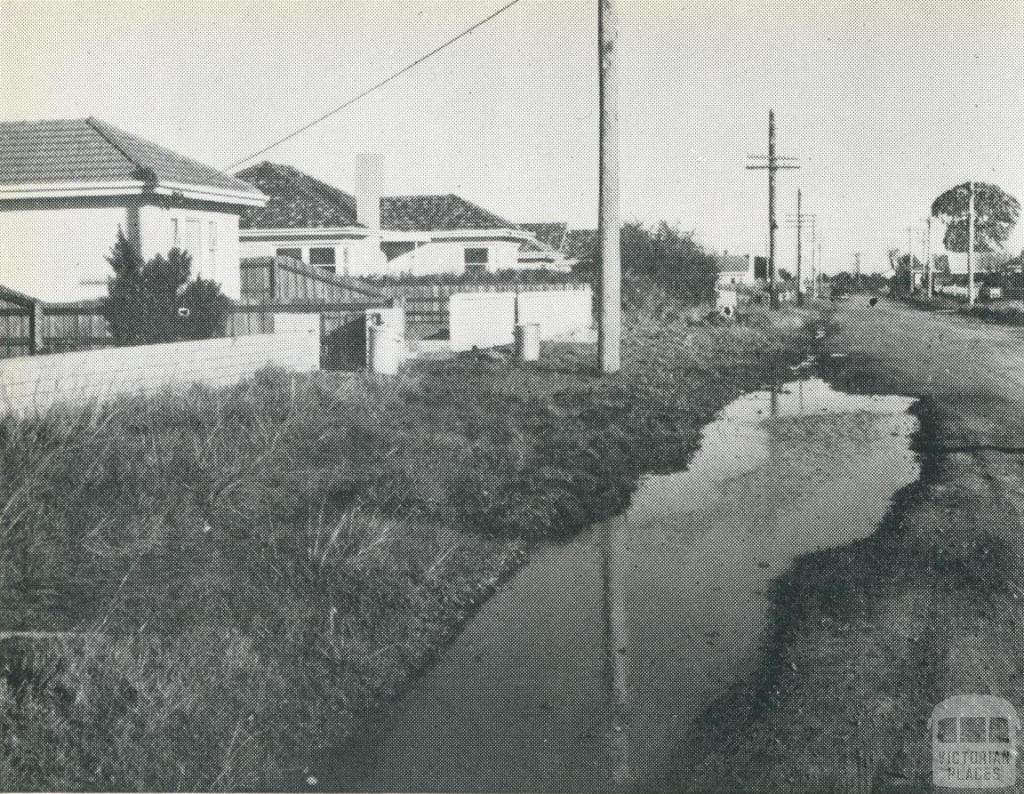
pixel 886 103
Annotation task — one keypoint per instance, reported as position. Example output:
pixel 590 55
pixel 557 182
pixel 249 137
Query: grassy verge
pixel 246 574
pixel 1001 312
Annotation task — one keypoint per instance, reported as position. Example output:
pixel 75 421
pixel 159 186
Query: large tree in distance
pixel 995 213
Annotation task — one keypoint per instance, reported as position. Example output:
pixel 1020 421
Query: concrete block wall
pixel 35 383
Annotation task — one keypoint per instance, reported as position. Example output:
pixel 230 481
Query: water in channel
pixel 589 666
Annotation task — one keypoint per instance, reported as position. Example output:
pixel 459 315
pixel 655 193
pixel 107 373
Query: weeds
pixel 255 569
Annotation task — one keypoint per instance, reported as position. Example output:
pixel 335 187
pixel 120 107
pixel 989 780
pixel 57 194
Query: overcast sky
pixel 886 103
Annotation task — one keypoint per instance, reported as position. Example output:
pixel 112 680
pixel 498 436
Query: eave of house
pixel 59 190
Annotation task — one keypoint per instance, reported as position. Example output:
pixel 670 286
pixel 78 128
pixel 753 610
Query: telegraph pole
pixel 929 275
pixel 798 222
pixel 609 334
pixel 910 255
pixel 772 165
pixel 970 243
pixel 799 236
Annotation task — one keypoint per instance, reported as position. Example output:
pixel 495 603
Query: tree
pixel 665 259
pixel 126 296
pixel 150 302
pixel 996 213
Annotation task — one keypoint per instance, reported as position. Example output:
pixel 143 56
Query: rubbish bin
pixel 528 341
pixel 384 347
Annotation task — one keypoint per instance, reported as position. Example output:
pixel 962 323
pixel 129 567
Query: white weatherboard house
pixel 67 186
pixel 735 269
pixel 373 235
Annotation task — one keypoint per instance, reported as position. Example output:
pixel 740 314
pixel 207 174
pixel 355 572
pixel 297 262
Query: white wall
pixel 48 253
pixel 557 312
pixel 488 319
pixel 481 319
pixel 156 233
pixel 35 383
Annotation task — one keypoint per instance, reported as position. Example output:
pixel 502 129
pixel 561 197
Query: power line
pixel 374 87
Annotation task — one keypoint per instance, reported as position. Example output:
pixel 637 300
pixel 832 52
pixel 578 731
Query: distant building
pixel 67 186
pixel 370 234
pixel 735 269
pixel 955 263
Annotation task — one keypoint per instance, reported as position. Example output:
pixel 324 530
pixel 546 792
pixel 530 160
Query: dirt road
pixel 870 637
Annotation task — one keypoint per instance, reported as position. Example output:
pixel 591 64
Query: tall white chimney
pixel 368 185
pixel 368 179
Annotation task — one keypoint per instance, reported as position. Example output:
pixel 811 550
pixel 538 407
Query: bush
pixel 149 302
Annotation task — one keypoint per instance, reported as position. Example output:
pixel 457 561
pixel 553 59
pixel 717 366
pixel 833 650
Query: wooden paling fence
pixel 270 286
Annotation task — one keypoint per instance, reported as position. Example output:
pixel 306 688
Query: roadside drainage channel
pixel 589 666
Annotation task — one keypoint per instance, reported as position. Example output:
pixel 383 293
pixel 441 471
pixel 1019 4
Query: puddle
pixel 588 668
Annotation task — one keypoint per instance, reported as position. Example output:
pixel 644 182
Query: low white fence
pixel 35 383
pixel 488 319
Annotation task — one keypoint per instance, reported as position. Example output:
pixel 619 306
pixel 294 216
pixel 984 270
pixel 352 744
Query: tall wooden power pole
pixel 799 239
pixel 799 222
pixel 609 333
pixel 772 165
pixel 928 274
pixel 970 243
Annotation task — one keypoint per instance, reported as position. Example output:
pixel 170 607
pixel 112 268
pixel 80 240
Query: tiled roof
pixel 296 200
pixel 299 201
pixel 551 234
pixel 90 150
pixel 437 213
pixel 732 263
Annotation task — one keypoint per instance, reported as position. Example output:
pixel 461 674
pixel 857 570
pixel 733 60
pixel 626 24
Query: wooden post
pixel 609 338
pixel 35 328
pixel 929 275
pixel 970 243
pixel 773 297
pixel 799 236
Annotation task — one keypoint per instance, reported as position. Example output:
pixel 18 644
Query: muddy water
pixel 589 666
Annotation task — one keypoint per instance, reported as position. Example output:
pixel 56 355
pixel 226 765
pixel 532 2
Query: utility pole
pixel 928 274
pixel 798 222
pixel 910 255
pixel 799 238
pixel 970 243
pixel 609 334
pixel 856 265
pixel 772 165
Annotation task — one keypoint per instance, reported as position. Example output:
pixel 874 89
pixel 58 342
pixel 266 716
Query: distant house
pixel 735 269
pixel 984 261
pixel 370 234
pixel 67 186
pixel 578 247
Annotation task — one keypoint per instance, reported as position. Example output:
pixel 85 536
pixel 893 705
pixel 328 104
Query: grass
pixel 254 571
pixel 1003 312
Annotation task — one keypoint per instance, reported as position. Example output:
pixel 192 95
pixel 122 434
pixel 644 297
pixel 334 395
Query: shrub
pixel 149 302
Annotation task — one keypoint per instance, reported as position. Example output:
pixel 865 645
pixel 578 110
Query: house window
pixel 322 258
pixel 476 259
pixel 477 256
pixel 293 253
